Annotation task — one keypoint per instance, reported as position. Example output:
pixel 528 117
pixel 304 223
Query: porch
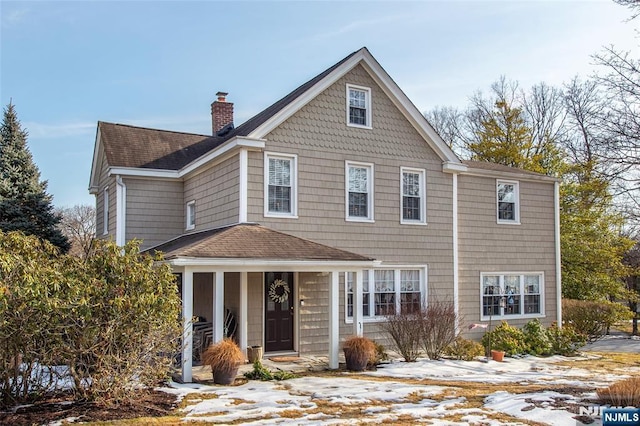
pixel 283 292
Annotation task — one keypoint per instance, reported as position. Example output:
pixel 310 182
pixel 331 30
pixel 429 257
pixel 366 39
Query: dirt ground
pixel 146 404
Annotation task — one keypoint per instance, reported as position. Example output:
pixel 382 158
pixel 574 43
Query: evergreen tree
pixel 24 203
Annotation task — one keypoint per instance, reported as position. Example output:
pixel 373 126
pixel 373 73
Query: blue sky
pixel 66 65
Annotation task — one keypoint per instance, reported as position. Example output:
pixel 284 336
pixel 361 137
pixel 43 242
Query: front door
pixel 278 308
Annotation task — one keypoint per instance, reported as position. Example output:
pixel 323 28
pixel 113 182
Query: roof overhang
pixel 261 265
pixel 515 175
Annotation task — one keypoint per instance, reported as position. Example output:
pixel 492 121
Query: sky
pixel 158 64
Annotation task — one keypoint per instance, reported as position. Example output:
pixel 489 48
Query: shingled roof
pixel 494 167
pixel 251 241
pixel 140 147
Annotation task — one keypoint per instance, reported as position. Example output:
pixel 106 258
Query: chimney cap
pixel 222 96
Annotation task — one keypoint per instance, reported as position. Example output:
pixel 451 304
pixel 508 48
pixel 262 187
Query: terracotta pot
pixel 497 355
pixel 355 360
pixel 225 377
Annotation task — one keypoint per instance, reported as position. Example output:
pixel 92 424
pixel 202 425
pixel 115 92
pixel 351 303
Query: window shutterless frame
pixel 511 295
pixel 413 199
pixel 280 185
pixel 508 202
pixel 358 106
pixel 190 215
pixel 105 211
pixel 359 192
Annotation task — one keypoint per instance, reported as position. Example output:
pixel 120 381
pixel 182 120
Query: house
pixel 335 206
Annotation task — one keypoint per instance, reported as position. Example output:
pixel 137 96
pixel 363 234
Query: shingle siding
pixel 486 246
pixel 216 194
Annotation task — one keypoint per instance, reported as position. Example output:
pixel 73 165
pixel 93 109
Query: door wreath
pixel 279 291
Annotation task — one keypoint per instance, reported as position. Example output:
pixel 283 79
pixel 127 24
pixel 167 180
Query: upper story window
pixel 280 185
pixel 413 208
pixel 512 295
pixel 105 211
pixel 358 106
pixel 359 191
pixel 392 291
pixel 191 215
pixel 508 198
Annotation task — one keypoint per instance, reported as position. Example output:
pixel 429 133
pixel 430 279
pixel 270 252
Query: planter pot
pixel 355 361
pixel 225 377
pixel 254 353
pixel 497 355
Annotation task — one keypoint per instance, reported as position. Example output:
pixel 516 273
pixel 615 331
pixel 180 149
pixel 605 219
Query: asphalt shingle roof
pixel 252 241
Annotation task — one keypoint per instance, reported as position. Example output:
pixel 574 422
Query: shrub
pixel 625 393
pixel 260 372
pixel 379 356
pixel 112 319
pixel 505 338
pixel 592 318
pixel 438 327
pixel 536 338
pixel 464 349
pixel 405 331
pixel 565 341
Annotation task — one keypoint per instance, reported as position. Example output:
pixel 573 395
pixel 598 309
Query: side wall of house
pixel 216 195
pixel 109 182
pixel 155 210
pixel 486 246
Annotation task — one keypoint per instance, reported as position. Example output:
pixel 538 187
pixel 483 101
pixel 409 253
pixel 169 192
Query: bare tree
pixel 79 226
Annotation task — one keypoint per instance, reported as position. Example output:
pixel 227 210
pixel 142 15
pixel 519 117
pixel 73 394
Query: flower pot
pixel 356 361
pixel 225 376
pixel 254 353
pixel 497 355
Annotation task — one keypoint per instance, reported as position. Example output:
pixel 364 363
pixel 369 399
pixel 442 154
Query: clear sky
pixel 66 65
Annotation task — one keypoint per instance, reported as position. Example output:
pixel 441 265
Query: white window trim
pixel 542 313
pixel 371 275
pixel 370 216
pixel 423 196
pixel 190 205
pixel 105 211
pixel 294 185
pixel 368 106
pixel 516 185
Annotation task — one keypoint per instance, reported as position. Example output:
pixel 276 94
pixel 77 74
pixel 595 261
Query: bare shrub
pixel 438 327
pixel 405 330
pixel 625 393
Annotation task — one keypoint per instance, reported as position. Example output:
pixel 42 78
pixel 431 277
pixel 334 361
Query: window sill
pixel 359 126
pixel 407 222
pixel 363 220
pixel 280 216
pixel 190 228
pixel 366 320
pixel 508 317
pixel 508 222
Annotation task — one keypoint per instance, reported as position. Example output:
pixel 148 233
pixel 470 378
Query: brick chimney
pixel 221 112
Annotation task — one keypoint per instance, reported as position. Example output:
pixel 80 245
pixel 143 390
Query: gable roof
pixel 138 147
pixel 251 241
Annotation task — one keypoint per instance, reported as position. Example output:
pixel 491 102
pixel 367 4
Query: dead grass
pixel 625 393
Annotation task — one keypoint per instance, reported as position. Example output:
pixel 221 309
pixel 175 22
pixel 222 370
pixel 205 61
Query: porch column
pixel 357 304
pixel 187 317
pixel 334 330
pixel 218 307
pixel 243 313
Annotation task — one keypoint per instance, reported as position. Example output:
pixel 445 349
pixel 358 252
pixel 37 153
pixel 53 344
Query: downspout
pixel 556 208
pixel 456 296
pixel 121 199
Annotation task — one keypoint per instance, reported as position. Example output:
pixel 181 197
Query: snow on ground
pixel 389 395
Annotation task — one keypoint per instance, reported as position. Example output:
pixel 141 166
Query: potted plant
pixel 358 351
pixel 224 358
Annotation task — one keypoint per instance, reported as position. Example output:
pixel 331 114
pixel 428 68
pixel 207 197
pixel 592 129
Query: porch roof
pixel 252 241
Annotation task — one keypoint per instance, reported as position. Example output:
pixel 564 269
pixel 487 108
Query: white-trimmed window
pixel 508 201
pixel 191 215
pixel 391 291
pixel 413 199
pixel 359 191
pixel 280 185
pixel 509 295
pixel 358 106
pixel 105 211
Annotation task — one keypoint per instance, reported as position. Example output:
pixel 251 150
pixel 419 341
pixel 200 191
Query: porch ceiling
pixel 252 241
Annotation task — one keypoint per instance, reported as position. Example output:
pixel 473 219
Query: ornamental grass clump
pixel 224 358
pixel 358 351
pixel 625 393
